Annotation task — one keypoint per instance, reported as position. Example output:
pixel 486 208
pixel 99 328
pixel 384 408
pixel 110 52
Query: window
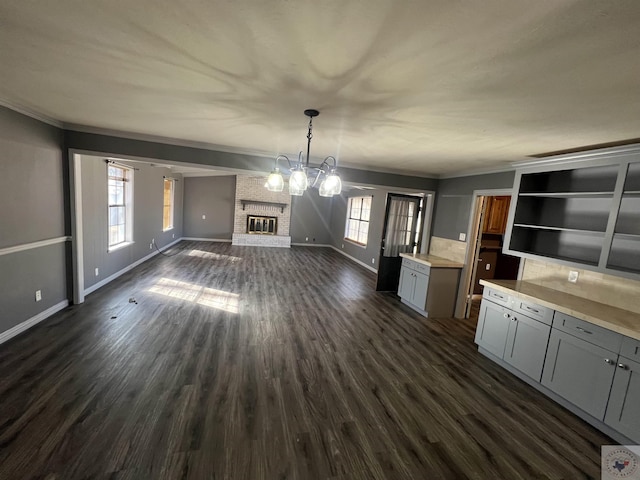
pixel 358 212
pixel 167 208
pixel 120 199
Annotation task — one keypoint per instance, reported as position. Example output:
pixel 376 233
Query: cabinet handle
pixel 532 309
pixel 623 366
pixel 506 315
pixel 580 329
pixel 609 361
pixel 514 319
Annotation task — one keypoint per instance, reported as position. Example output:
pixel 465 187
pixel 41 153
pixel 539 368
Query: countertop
pixel 432 260
pixel 613 318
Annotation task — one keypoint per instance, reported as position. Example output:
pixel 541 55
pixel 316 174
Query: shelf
pixel 559 229
pixel 568 194
pixel 281 206
pixel 627 236
pixel 631 193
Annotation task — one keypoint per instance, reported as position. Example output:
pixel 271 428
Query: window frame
pixel 127 198
pixel 171 205
pixel 359 219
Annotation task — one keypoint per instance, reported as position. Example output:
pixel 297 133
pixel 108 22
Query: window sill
pixel 167 229
pixel 119 246
pixel 357 244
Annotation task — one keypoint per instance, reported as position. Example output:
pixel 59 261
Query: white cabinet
pixel 517 339
pixel 413 287
pixel 430 290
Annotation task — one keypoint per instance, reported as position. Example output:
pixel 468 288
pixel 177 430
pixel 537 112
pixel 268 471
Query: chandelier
pixel 303 176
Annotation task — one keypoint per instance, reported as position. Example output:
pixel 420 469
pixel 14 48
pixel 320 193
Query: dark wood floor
pixel 248 363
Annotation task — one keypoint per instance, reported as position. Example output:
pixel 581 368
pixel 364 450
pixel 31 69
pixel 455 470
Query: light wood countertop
pixel 432 261
pixel 613 318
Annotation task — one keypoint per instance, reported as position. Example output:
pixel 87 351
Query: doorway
pixel 400 234
pixel 485 260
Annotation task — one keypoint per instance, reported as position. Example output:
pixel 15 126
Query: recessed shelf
pixel 628 236
pixel 560 229
pixel 578 180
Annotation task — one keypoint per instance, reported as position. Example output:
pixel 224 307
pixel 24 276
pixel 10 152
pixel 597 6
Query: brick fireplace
pixel 253 201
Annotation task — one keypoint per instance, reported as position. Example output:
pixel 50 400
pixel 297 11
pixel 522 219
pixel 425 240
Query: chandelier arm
pixel 286 158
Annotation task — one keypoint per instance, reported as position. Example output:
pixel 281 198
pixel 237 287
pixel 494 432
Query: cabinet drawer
pixel 533 310
pixel 588 331
pixel 422 268
pixel 497 296
pixel 418 267
pixel 630 348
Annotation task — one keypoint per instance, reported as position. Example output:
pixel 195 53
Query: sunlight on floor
pixel 214 256
pixel 208 297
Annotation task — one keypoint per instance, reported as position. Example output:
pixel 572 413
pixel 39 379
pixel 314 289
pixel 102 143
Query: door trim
pixel 473 230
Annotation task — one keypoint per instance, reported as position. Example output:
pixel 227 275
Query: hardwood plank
pixel 250 363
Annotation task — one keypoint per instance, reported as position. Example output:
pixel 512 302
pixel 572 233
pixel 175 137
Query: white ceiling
pixel 430 86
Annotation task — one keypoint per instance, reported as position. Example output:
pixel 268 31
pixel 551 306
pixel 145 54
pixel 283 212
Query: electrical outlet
pixel 204 217
pixel 573 276
pixel 373 260
pixel 151 246
pixel 306 239
pixel 97 271
pixel 487 266
pixel 173 235
pixel 153 241
pixel 343 245
pixel 462 237
pixel 38 295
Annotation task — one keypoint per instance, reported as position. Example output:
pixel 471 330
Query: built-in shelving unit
pixel 625 247
pixel 587 215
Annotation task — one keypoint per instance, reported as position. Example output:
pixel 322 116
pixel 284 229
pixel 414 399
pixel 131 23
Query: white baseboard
pixel 198 239
pixel 21 327
pixel 359 262
pixel 311 245
pixel 110 278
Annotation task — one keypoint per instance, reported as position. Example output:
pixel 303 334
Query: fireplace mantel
pixel 281 206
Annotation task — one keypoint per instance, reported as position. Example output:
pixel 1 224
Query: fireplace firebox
pixel 260 225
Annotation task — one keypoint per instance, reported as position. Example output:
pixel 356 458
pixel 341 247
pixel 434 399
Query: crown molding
pixel 31 113
pixel 609 152
pixel 478 171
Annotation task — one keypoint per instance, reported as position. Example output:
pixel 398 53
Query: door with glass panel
pixel 399 235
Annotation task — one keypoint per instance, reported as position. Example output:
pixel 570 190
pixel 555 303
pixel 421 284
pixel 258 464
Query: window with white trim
pixel 358 213
pixel 167 206
pixel 120 199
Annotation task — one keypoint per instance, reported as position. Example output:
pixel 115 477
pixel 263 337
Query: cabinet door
pixel 526 347
pixel 407 284
pixel 580 372
pixel 623 412
pixel 420 290
pixel 493 325
pixel 496 214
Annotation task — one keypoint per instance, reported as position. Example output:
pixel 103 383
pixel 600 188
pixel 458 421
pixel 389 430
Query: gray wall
pixel 32 193
pixel 376 224
pixel 213 197
pixel 311 219
pixel 455 197
pixel 147 217
pixel 132 148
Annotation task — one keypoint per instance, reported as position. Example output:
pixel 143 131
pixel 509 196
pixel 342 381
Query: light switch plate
pixel 573 276
pixel 462 237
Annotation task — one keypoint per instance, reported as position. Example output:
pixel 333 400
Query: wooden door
pixel 495 220
pixel 398 236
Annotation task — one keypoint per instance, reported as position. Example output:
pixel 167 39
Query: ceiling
pixel 431 87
